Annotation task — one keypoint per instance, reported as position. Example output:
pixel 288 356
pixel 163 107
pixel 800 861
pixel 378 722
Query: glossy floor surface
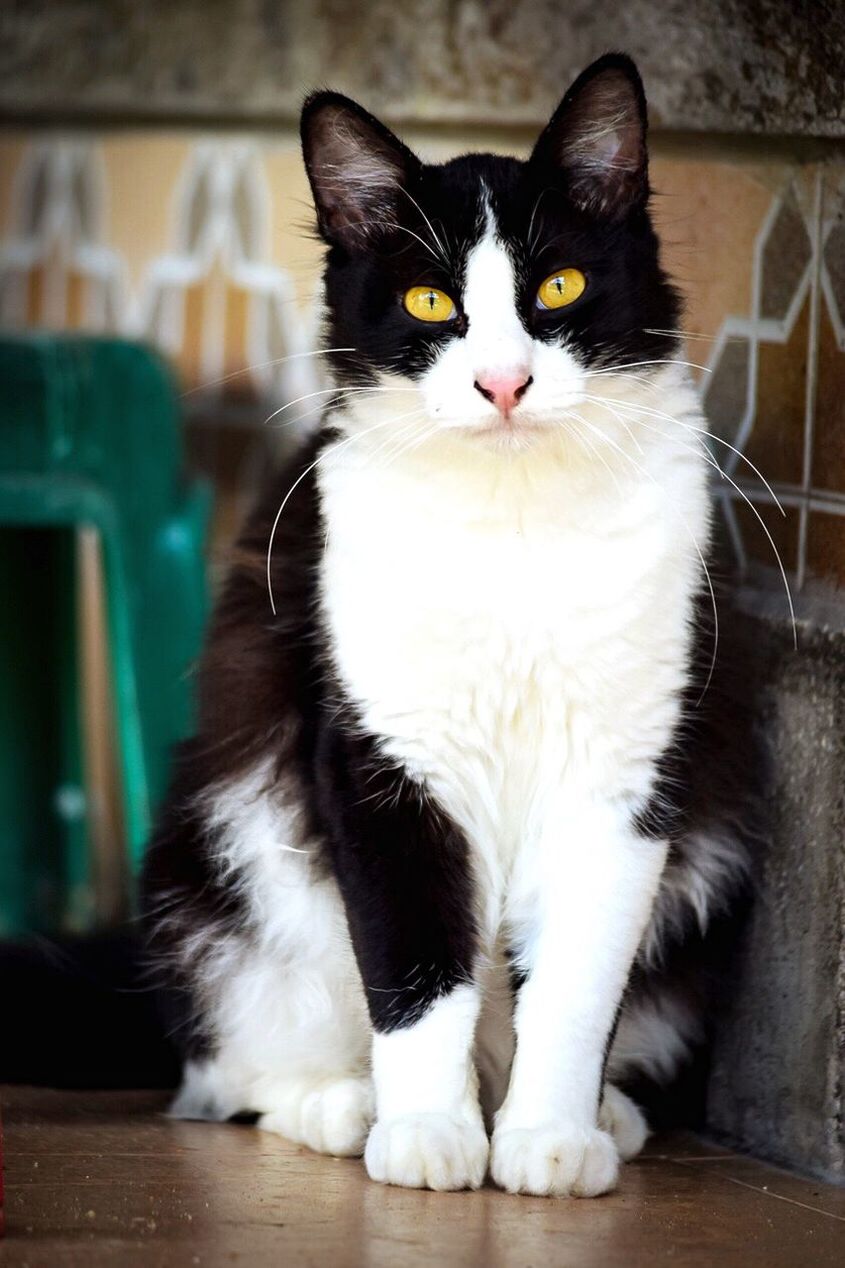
pixel 103 1178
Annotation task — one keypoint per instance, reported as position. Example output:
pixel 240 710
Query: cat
pixel 425 872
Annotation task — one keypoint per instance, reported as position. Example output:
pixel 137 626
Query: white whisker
pixel 671 503
pixel 323 454
pixel 671 418
pixel 441 248
pixel 691 334
pixel 260 365
pixel 633 365
pixel 331 391
pixel 711 460
pixel 591 449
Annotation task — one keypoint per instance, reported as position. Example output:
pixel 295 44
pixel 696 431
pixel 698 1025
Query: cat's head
pixel 487 296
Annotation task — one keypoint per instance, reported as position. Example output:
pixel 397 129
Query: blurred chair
pixel 89 437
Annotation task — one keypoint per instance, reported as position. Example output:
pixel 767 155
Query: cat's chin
pixel 511 433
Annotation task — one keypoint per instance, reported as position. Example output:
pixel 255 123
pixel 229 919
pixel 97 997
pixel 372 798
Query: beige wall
pixel 199 241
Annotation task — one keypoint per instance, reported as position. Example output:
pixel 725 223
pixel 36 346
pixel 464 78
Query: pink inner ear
pixel 608 147
pixel 606 125
pixel 355 169
pixel 602 143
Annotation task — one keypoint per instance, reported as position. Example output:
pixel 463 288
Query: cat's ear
pixel 356 166
pixel 597 139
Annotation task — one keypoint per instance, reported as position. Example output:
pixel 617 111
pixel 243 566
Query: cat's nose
pixel 504 390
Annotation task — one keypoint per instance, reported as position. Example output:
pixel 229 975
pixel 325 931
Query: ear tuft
pixel 597 138
pixel 356 167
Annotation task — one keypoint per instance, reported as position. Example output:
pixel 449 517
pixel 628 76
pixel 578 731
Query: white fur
pixel 711 866
pixel 592 895
pixel 624 1121
pixel 429 1129
pixel 654 1036
pixel 555 1160
pixel 283 995
pixel 513 619
pixel 496 343
pixel 509 608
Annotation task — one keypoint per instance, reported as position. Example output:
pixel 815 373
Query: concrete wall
pixel 778 1072
pixel 727 80
pixel 763 67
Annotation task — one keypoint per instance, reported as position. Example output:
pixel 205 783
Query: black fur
pixel 78 1012
pixel 403 871
pixel 267 688
pixel 543 218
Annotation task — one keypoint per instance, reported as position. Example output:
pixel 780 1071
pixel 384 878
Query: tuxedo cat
pixel 448 823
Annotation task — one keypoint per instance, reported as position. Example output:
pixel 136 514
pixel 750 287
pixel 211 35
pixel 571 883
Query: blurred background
pixel 151 185
pixel 151 188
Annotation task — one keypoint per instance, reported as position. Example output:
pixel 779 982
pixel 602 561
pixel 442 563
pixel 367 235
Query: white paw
pixel 624 1120
pixel 206 1093
pixel 428 1151
pixel 330 1116
pixel 553 1160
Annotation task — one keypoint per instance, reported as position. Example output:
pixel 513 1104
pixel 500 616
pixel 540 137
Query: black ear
pixel 597 138
pixel 356 166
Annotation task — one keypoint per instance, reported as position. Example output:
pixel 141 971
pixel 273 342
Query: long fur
pixel 449 820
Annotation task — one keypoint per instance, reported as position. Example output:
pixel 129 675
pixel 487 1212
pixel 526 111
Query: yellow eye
pixel 561 288
pixel 428 304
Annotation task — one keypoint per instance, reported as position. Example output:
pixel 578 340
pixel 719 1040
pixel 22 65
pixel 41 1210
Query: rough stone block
pixel 778 1063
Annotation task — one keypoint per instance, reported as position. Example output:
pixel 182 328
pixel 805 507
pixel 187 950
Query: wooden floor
pixel 103 1178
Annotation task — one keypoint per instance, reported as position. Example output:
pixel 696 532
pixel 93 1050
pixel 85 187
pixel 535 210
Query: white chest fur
pixel 515 630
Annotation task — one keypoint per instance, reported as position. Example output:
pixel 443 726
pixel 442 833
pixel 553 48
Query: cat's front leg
pixel 403 871
pixel 429 1131
pixel 596 884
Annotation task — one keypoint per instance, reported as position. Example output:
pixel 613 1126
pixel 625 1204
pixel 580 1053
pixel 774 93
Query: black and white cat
pixel 420 879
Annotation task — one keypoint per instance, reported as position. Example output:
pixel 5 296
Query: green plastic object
pixel 89 436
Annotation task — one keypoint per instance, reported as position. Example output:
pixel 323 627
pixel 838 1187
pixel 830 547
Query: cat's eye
pixel 562 288
pixel 427 303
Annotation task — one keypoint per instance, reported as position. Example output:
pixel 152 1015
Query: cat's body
pixel 443 775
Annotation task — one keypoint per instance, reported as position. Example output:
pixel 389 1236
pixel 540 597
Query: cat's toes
pixel 554 1161
pixel 428 1151
pixel 330 1116
pixel 624 1120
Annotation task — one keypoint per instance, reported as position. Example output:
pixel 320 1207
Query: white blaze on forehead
pixel 496 339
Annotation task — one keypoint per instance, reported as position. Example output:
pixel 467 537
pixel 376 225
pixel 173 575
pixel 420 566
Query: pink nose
pixel 504 390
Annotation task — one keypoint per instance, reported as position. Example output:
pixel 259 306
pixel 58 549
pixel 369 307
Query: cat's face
pixel 489 296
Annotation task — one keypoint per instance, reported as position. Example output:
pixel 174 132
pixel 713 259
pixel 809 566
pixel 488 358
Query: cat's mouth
pixel 509 431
